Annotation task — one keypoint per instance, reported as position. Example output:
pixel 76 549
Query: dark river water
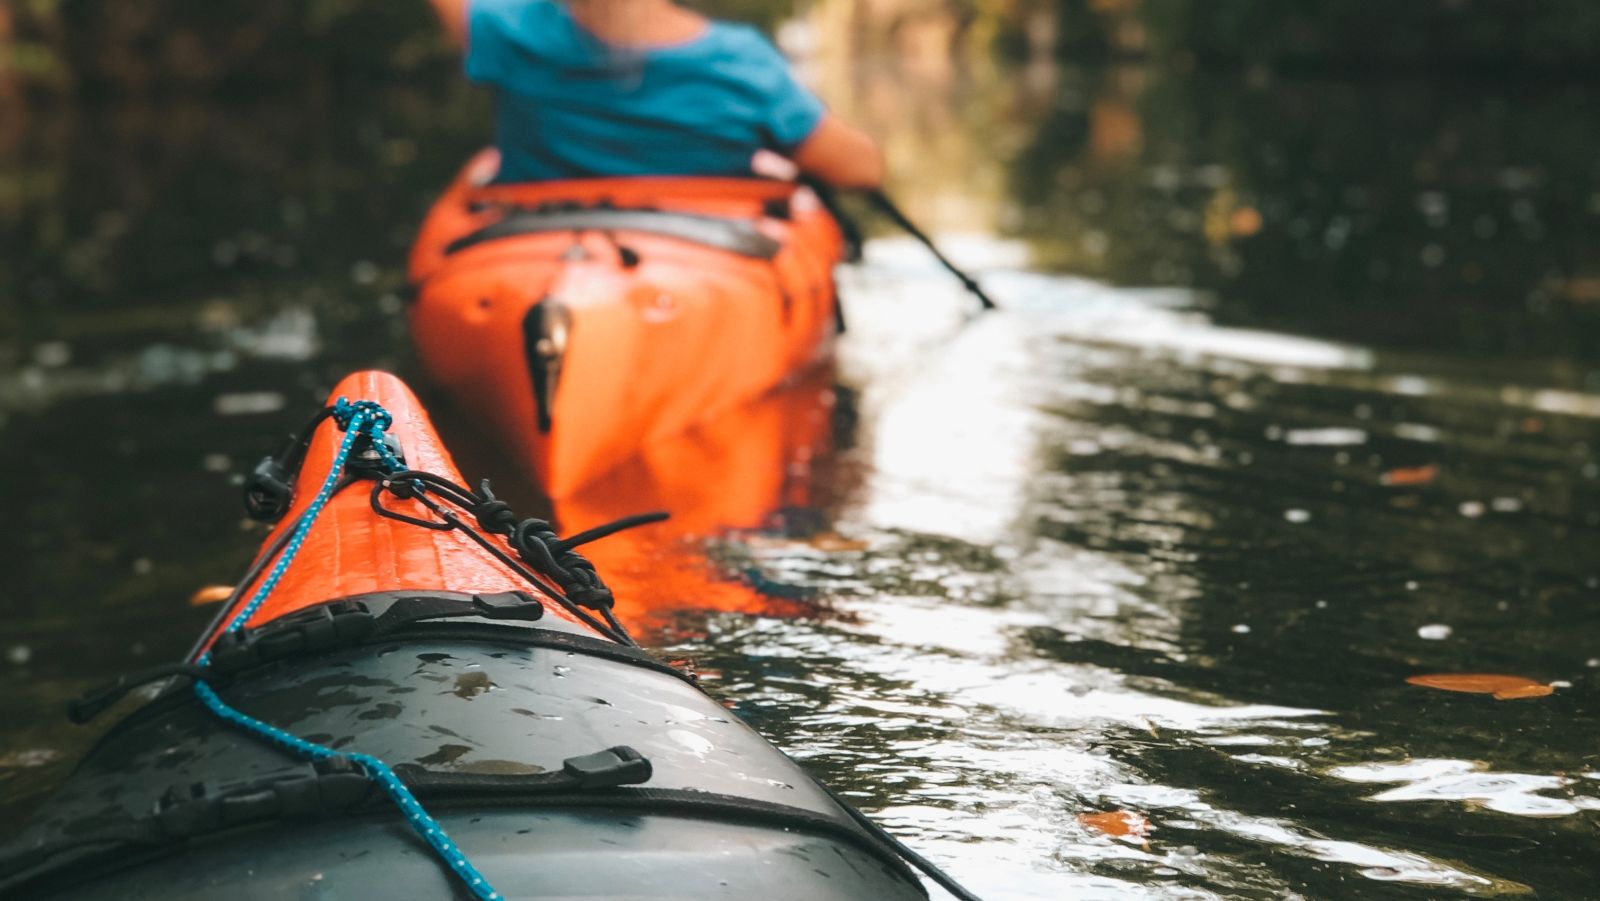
pixel 1295 395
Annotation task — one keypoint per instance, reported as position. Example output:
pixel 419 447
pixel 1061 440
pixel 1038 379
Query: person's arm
pixel 841 155
pixel 453 14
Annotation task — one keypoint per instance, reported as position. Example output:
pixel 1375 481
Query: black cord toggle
pixel 537 542
pixel 549 558
pixel 269 489
pixel 493 515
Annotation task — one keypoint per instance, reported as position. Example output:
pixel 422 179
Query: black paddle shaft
pixel 888 208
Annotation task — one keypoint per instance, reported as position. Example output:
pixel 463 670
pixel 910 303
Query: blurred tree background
pixel 1396 173
pixel 96 45
pixel 1499 35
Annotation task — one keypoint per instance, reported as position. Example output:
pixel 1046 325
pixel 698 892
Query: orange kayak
pixel 581 320
pixel 411 695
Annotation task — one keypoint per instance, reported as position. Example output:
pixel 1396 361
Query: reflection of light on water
pixel 1191 337
pixel 1329 437
pixel 949 444
pixel 1380 864
pixel 288 335
pixel 1184 810
pixel 1522 794
pixel 1549 400
pixel 951 448
pixel 1480 388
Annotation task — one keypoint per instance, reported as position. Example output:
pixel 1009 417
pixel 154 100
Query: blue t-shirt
pixel 571 106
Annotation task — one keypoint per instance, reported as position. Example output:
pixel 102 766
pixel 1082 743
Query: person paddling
pixel 597 88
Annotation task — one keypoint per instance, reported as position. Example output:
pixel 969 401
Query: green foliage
pixel 1350 32
pixel 108 45
pixel 117 46
pixel 765 13
pixel 158 44
pixel 30 60
pixel 1326 205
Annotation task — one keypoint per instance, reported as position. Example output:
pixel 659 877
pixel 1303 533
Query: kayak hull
pixel 551 856
pixel 580 346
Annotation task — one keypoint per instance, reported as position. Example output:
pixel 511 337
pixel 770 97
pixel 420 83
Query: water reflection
pixel 1466 781
pixel 747 473
pixel 1407 212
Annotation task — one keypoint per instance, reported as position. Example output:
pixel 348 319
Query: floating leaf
pixel 211 594
pixel 1408 476
pixel 1503 688
pixel 1120 823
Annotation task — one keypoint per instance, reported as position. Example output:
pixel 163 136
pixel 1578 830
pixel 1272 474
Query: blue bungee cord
pixel 367 418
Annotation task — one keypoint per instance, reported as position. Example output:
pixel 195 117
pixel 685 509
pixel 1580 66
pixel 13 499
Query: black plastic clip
pixel 307 631
pixel 94 702
pixel 366 460
pixel 517 605
pixel 334 783
pixel 620 765
pixel 267 492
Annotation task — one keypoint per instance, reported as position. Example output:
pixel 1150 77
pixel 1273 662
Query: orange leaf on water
pixel 1118 823
pixel 1503 688
pixel 1412 475
pixel 210 594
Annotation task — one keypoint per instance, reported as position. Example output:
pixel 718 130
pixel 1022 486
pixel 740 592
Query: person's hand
pixel 766 164
pixel 841 155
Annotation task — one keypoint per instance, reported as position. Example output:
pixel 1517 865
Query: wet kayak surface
pixel 1115 593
